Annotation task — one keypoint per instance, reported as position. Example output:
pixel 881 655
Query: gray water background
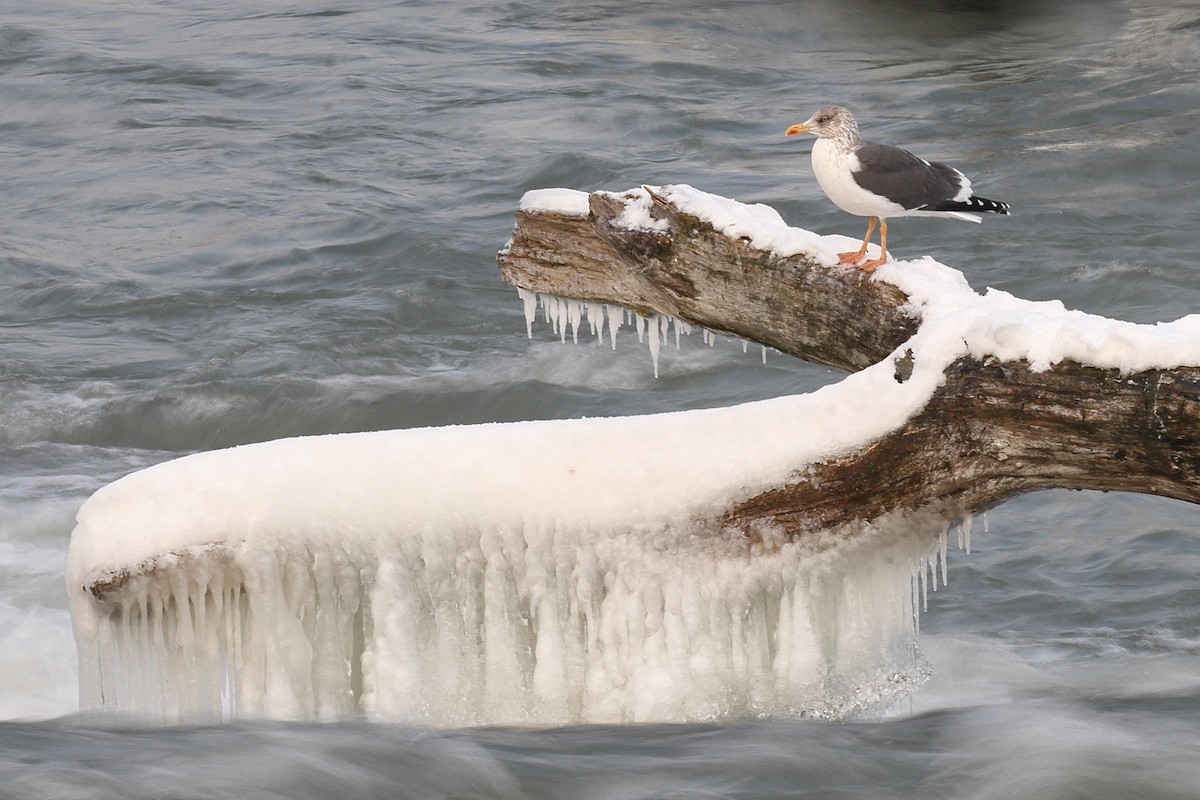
pixel 229 222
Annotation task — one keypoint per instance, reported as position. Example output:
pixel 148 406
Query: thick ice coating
pixel 531 572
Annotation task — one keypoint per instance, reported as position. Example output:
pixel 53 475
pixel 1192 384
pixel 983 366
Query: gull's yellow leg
pixel 871 265
pixel 857 256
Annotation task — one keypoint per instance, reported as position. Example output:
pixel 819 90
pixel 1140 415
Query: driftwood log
pixel 995 429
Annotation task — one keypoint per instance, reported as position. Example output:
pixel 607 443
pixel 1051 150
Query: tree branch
pixel 993 429
pixel 997 429
pixel 690 271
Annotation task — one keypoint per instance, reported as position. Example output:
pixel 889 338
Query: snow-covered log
pixel 763 558
pixel 1022 395
pixel 521 573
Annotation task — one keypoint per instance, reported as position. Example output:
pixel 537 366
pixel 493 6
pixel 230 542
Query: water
pixel 233 222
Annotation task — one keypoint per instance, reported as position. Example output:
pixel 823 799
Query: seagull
pixel 880 181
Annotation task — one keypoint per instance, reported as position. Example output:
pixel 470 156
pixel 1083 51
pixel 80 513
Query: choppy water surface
pixel 232 222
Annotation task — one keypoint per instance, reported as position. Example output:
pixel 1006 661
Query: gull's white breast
pixel 834 169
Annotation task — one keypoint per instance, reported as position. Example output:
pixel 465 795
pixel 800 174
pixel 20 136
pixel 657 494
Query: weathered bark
pixel 993 430
pixel 997 429
pixel 832 316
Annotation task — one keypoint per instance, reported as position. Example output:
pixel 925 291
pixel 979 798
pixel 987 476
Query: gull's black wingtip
pixel 974 204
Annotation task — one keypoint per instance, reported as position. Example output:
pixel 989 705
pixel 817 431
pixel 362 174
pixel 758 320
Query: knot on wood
pixel 904 366
pixel 641 244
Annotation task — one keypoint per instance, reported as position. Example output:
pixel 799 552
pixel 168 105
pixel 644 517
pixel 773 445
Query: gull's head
pixel 831 122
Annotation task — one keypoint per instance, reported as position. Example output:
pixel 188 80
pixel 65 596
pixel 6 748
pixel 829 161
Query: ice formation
pixel 540 572
pixel 565 316
pixel 548 572
pixel 514 625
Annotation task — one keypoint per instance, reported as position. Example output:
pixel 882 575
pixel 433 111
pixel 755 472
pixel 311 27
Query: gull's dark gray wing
pixel 903 178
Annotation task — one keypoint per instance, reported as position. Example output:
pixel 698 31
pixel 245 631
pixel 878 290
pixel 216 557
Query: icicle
pixel 916 606
pixel 562 318
pixel 924 585
pixel 529 304
pixel 764 354
pixel 664 327
pixel 615 316
pixel 745 346
pixel 640 322
pixel 654 339
pixel 595 317
pixel 555 311
pixel 574 317
pixel 942 552
pixel 680 325
pixel 965 525
pixel 555 308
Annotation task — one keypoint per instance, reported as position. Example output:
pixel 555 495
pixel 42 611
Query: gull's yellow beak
pixel 799 127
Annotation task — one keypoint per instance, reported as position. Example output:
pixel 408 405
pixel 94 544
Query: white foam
pixel 40 680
